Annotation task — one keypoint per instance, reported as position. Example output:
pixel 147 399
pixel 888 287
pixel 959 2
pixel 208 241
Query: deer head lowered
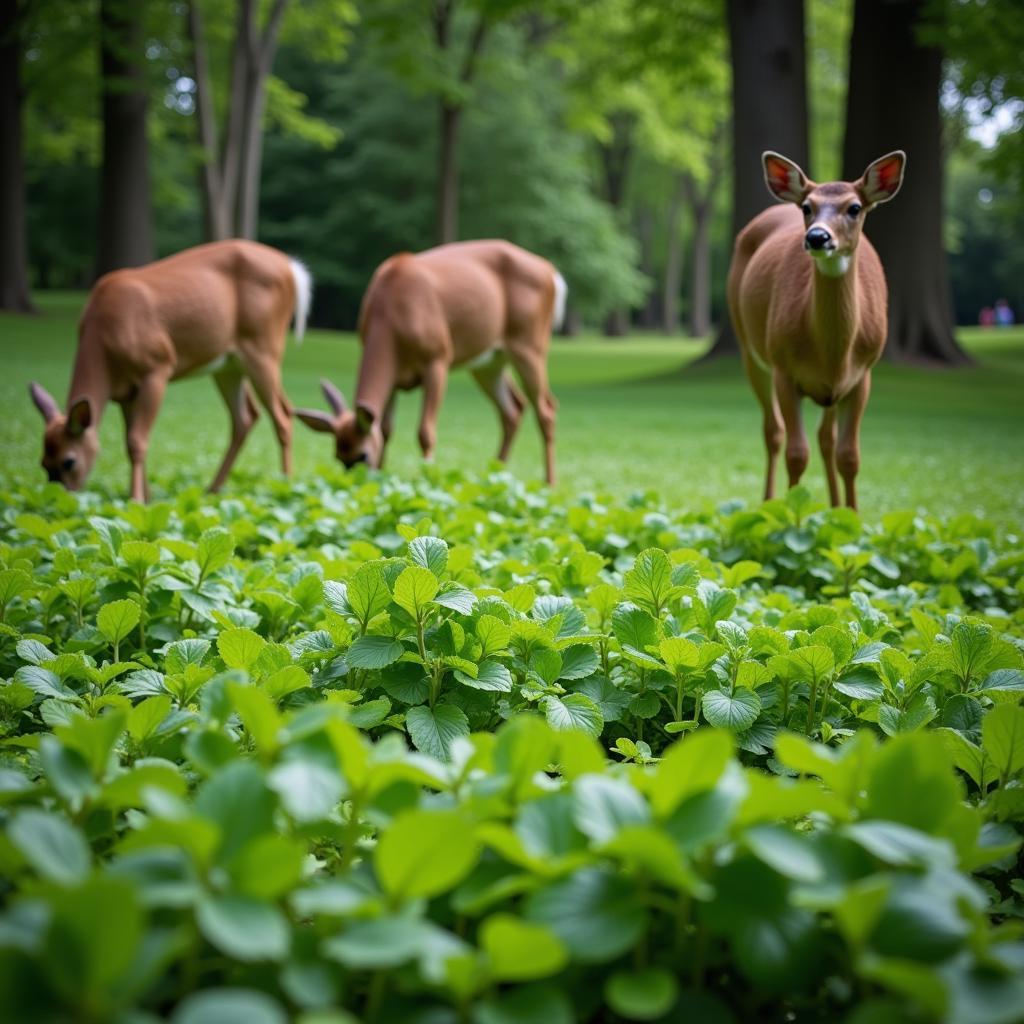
pixel 357 435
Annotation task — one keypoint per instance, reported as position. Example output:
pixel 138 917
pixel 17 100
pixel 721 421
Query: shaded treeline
pixel 619 138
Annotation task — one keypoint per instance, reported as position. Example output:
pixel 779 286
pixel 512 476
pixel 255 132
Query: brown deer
pixel 221 308
pixel 481 305
pixel 808 298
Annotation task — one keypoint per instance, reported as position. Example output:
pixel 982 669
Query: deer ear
pixel 335 399
pixel 316 420
pixel 784 178
pixel 44 402
pixel 882 180
pixel 79 417
pixel 364 419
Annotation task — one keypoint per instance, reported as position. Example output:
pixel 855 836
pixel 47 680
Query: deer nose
pixel 818 238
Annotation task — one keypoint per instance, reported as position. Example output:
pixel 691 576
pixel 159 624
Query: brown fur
pixel 147 326
pixel 804 332
pixel 427 313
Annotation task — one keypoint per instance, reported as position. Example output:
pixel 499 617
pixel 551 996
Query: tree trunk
pixel 14 290
pixel 231 177
pixel 893 103
pixel 769 104
pixel 700 269
pixel 649 313
pixel 126 215
pixel 448 173
pixel 673 279
pixel 616 156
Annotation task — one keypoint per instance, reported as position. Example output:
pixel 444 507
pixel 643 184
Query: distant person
pixel 987 316
pixel 1004 315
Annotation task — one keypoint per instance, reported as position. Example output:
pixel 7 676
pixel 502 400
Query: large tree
pixel 769 103
pixel 14 290
pixel 232 151
pixel 125 231
pixel 893 103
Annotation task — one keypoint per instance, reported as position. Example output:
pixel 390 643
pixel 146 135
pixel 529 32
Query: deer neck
pixel 378 373
pixel 91 378
pixel 834 309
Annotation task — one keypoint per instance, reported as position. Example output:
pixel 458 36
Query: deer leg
pixel 243 411
pixel 498 386
pixel 797 451
pixel 761 382
pixel 531 365
pixel 387 425
pixel 435 381
pixel 265 374
pixel 139 416
pixel 851 412
pixel 827 444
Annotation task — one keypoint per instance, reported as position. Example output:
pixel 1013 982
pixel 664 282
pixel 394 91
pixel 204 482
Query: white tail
pixel 561 294
pixel 303 295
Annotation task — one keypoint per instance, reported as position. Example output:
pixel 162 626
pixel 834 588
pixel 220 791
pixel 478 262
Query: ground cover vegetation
pixel 446 749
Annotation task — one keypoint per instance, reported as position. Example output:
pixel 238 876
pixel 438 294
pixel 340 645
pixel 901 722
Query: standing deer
pixel 808 300
pixel 481 305
pixel 221 308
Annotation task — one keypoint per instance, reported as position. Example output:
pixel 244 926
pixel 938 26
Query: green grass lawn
pixel 633 417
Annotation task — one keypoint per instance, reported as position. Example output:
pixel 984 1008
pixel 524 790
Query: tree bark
pixel 673 278
pixel 893 103
pixel 450 111
pixel 700 270
pixel 14 289
pixel 230 176
pixel 126 214
pixel 616 156
pixel 769 104
pixel 448 173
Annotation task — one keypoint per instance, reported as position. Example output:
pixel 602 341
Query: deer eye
pixel 853 209
pixel 806 209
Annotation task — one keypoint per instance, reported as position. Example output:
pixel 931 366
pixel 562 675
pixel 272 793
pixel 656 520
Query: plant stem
pixel 811 703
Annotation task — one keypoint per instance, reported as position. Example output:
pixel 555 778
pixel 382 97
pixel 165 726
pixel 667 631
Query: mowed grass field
pixel 634 416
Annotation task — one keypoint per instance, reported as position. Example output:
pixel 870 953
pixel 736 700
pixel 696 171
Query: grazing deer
pixel 221 308
pixel 808 298
pixel 481 305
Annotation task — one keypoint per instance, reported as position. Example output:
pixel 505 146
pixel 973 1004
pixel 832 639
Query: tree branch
pixel 476 44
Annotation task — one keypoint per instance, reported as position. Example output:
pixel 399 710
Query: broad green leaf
pixel 374 652
pixel 679 653
pixel 368 592
pixel 969 647
pixel 574 711
pixel 214 550
pixel 240 647
pixel 229 1006
pixel 736 712
pixel 646 994
pixel 634 627
pixel 521 951
pixel 424 852
pixel 594 912
pixel 601 806
pixel 649 582
pixel 51 845
pixel 1002 733
pixel 493 634
pixel 491 675
pixel 430 553
pixel 432 730
pixel 689 766
pixel 415 588
pixel 243 928
pixel 117 619
pixel 811 664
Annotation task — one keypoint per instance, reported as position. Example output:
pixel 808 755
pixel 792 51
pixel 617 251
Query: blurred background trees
pixel 619 138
